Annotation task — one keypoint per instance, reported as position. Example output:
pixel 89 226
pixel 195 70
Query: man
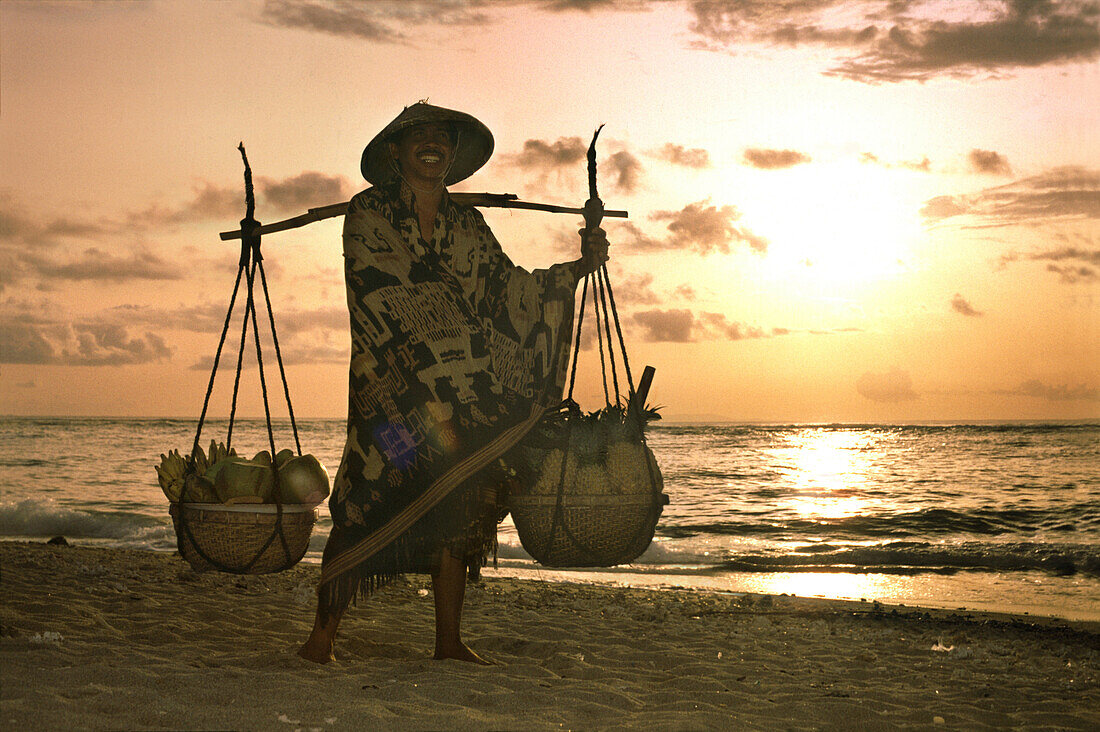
pixel 456 353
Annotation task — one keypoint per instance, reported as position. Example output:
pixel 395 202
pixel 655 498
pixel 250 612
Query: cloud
pixel 294 194
pixel 294 354
pixel 684 326
pixel 1020 34
pixel 944 207
pixel 543 156
pixel 21 231
pixel 702 228
pixel 394 21
pixel 305 190
pixel 685 292
pixel 563 162
pixel 1071 263
pixel 666 325
pixel 40 332
pixel 1070 191
pixel 767 159
pixel 78 344
pixel 590 5
pixel 208 201
pixel 209 318
pixel 96 264
pixel 46 247
pixel 1066 254
pixel 317 335
pixel 211 202
pixel 890 387
pixel 717 324
pixel 1072 275
pixel 302 321
pixel 924 165
pixel 908 40
pixel 627 170
pixel 635 290
pixel 988 161
pixel 24 231
pixel 1060 393
pixel 334 18
pixel 49 265
pixel 694 157
pixel 961 306
pixel 568 156
pixel 872 41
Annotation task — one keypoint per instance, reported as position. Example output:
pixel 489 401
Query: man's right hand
pixel 594 250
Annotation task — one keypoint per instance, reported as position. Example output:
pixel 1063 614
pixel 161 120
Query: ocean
pixel 975 516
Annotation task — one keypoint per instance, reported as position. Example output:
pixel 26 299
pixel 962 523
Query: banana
pixel 199 458
pixel 176 471
pixel 218 453
pixel 169 477
pixel 162 478
pixel 170 474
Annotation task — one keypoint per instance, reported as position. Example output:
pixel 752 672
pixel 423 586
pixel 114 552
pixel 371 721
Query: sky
pixel 840 210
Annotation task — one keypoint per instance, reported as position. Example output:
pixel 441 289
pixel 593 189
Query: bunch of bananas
pixel 175 472
pixel 171 474
pixel 217 453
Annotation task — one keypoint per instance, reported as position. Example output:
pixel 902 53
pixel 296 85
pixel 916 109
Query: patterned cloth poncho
pixel 455 354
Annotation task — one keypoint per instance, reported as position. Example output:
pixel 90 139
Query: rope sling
pixel 250 262
pixel 598 530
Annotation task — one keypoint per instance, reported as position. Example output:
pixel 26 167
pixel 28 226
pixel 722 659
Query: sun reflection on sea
pixel 834 585
pixel 829 470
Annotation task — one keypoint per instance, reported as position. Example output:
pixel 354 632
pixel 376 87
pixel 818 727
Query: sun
pixel 833 228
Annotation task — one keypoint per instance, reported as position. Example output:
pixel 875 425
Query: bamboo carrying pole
pixel 491 200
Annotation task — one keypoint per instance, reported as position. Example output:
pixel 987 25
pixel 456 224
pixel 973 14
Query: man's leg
pixel 318 647
pixel 449 587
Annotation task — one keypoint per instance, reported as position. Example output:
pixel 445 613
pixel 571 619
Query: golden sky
pixel 839 210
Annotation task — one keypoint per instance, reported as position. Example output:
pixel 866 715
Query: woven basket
pixel 231 536
pixel 592 531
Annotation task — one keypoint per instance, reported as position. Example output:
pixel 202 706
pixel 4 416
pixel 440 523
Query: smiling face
pixel 424 153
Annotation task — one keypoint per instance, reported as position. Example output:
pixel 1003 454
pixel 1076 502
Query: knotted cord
pixel 249 262
pixel 602 299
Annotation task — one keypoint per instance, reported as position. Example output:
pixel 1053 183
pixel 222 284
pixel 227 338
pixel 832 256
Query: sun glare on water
pixel 828 471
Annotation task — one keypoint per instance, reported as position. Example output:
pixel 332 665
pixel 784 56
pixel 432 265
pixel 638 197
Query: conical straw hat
pixel 475 143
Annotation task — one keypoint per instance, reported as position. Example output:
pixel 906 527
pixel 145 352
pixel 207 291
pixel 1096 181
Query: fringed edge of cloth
pixel 388 565
pixel 388 539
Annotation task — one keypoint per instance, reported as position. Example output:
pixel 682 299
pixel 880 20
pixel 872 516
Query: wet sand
pixel 117 639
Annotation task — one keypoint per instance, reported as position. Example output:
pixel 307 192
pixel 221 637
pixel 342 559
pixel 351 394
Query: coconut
pixel 199 490
pixel 303 479
pixel 239 477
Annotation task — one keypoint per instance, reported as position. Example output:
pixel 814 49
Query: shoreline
pixel 1029 594
pixel 132 639
pixel 905 592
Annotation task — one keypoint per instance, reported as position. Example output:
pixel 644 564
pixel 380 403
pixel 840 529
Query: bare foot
pixel 316 652
pixel 461 652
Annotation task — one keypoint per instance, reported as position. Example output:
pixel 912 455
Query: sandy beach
pixel 115 639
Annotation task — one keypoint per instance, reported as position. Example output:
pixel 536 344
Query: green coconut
pixel 238 477
pixel 199 490
pixel 282 456
pixel 303 479
pixel 211 473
